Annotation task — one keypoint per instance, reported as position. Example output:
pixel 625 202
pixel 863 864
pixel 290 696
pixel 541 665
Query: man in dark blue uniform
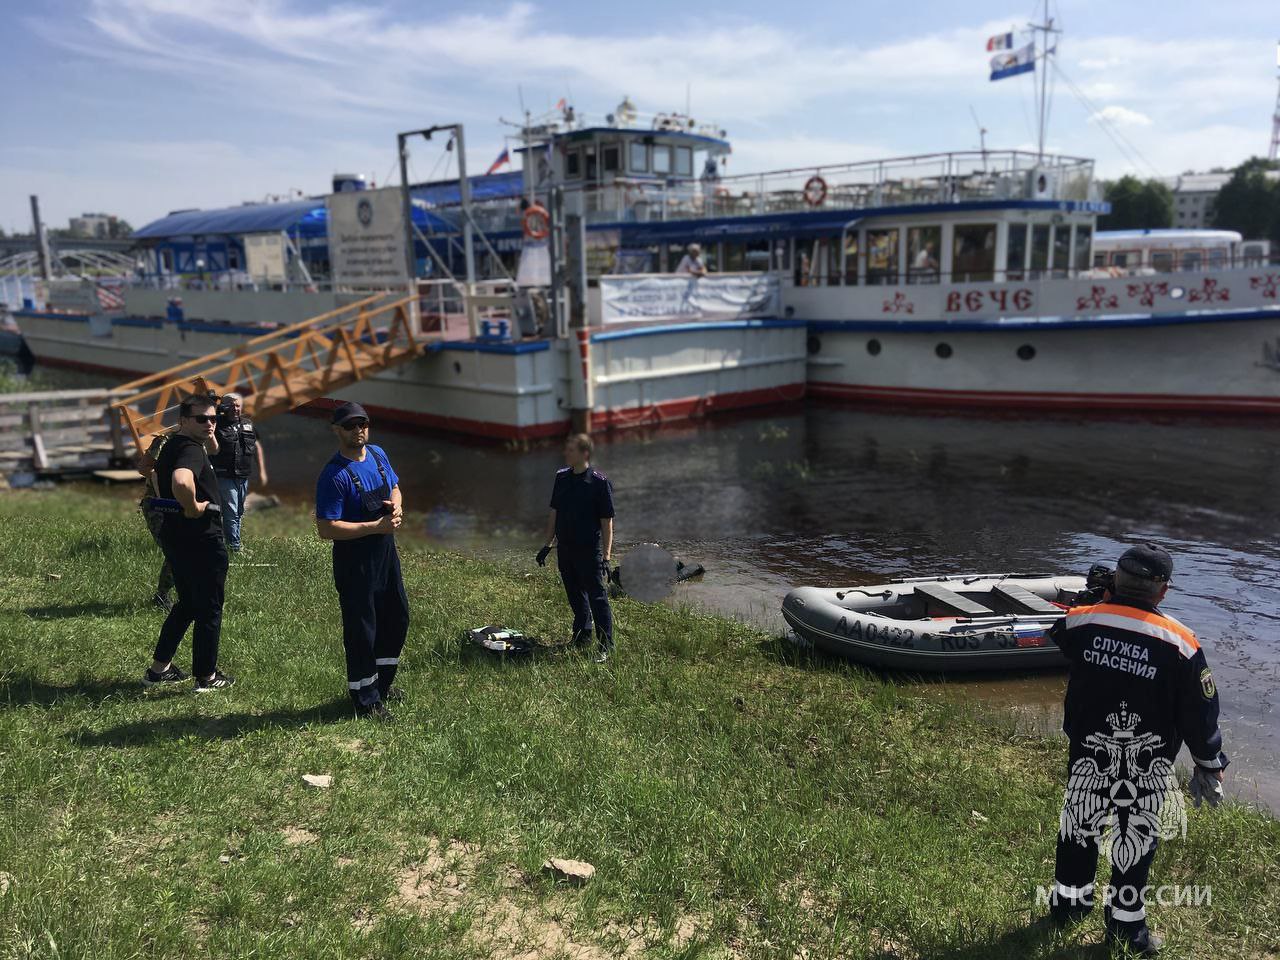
pixel 1139 688
pixel 581 526
pixel 359 508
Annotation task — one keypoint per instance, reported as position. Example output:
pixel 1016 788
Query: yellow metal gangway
pixel 281 370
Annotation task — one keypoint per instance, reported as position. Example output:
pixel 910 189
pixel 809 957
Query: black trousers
pixel 375 613
pixel 583 578
pixel 199 566
pixel 1077 864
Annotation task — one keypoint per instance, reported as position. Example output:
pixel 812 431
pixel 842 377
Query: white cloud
pixel 334 81
pixel 1121 117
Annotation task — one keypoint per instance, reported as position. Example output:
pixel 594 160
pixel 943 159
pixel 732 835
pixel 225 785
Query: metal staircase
pixel 281 370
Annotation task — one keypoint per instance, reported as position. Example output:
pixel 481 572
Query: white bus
pixel 1167 251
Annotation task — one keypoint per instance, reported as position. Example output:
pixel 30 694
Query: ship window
pixel 639 159
pixel 923 246
pixel 851 258
pixel 1217 259
pixel 943 350
pixel 1084 239
pixel 573 164
pixel 882 256
pixel 1163 262
pixel 1039 249
pixel 661 159
pixel 610 158
pixel 1015 261
pixel 1026 352
pixel 973 254
pixel 1061 249
pixel 735 257
pixel 684 161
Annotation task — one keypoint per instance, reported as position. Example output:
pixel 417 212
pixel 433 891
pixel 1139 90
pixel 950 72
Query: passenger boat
pixel 939 624
pixel 953 279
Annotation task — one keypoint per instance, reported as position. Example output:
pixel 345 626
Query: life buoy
pixel 815 190
pixel 536 222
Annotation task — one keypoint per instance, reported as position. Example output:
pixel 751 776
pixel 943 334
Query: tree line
pixel 1249 202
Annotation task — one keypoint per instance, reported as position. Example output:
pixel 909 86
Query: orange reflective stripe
pixel 1143 621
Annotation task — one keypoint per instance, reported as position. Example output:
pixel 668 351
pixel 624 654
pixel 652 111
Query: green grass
pixel 736 798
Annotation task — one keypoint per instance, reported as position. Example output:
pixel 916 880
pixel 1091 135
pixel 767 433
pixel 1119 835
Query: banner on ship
pixel 627 299
pixel 366 238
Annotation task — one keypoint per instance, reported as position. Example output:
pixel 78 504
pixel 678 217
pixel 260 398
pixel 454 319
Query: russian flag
pixel 503 158
pixel 1011 64
pixel 1001 41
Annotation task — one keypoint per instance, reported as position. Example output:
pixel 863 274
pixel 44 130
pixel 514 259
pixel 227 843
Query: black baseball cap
pixel 1148 561
pixel 348 411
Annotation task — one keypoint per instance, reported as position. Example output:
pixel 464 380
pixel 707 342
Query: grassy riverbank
pixel 736 799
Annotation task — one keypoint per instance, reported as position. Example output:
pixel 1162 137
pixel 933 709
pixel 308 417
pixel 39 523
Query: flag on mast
pixel 1011 64
pixel 1001 41
pixel 503 158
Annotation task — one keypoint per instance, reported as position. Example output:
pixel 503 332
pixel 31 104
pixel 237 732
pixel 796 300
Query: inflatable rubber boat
pixel 968 622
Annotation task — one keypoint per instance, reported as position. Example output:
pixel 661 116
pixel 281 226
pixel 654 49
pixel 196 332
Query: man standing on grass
pixel 239 454
pixel 359 509
pixel 581 525
pixel 191 537
pixel 1139 687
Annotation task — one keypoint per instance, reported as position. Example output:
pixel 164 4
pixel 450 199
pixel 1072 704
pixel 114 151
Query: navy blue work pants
pixel 375 613
pixel 1074 893
pixel 580 570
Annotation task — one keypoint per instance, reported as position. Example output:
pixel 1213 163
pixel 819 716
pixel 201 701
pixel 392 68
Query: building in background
pixel 1193 196
pixel 92 225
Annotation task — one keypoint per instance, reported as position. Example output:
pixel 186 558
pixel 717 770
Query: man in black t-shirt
pixel 581 526
pixel 191 537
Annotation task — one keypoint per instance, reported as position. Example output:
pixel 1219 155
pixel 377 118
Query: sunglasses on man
pixel 355 424
pixel 203 418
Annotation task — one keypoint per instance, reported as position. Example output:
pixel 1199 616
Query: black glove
pixel 606 571
pixel 542 556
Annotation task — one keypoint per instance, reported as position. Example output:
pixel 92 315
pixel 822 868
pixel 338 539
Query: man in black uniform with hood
pixel 1139 688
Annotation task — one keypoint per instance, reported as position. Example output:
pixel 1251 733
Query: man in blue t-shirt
pixel 581 525
pixel 358 507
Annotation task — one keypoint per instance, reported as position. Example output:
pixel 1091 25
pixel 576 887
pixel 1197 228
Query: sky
pixel 139 107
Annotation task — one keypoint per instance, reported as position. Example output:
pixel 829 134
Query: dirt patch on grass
pixel 297 836
pixel 439 879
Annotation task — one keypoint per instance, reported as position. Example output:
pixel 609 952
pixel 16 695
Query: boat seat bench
pixel 1023 600
pixel 938 595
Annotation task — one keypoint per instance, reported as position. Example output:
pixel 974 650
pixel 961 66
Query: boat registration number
pixel 876 633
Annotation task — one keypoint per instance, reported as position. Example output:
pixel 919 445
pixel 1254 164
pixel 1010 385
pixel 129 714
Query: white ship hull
pixel 1139 344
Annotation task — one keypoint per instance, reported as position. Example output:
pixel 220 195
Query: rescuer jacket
pixel 1137 671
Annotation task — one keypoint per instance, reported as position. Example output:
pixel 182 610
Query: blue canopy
pixel 306 218
pixel 250 218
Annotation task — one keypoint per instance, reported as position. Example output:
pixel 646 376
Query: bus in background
pixel 1123 252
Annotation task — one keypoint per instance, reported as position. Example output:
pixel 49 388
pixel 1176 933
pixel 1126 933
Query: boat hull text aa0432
pixel 944 624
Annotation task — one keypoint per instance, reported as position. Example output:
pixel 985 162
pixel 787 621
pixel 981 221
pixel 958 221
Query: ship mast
pixel 1045 29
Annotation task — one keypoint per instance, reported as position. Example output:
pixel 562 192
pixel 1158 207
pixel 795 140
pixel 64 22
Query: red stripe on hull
pixel 670 411
pixel 1160 402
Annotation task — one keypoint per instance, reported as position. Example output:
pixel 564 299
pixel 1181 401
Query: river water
pixel 830 495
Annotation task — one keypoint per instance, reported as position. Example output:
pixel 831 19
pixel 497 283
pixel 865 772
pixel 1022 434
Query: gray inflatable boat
pixel 995 621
